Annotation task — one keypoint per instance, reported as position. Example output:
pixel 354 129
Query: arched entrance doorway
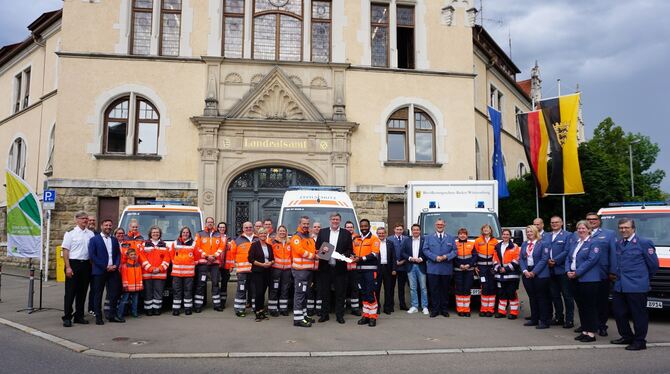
pixel 256 194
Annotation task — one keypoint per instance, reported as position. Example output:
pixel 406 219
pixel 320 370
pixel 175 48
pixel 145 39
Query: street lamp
pixel 630 159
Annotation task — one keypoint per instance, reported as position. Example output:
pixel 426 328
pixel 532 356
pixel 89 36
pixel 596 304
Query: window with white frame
pixel 392 34
pixel 49 167
pixel 277 30
pixel 170 27
pixel 517 111
pixel 21 91
pixel 131 126
pixel 167 15
pixel 410 136
pixel 233 28
pixel 478 160
pixel 522 170
pixel 496 102
pixel 16 162
pixel 321 30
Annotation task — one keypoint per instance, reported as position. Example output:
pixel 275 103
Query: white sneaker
pixel 412 310
pixel 425 311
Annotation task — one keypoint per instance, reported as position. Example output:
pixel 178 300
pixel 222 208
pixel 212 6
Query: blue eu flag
pixel 498 167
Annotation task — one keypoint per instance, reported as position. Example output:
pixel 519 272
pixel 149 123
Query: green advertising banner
pixel 24 219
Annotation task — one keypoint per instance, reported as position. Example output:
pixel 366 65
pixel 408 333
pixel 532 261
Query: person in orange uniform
pixel 182 255
pixel 464 267
pixel 240 248
pixel 280 276
pixel 208 249
pixel 507 274
pixel 155 259
pixel 485 246
pixel 131 279
pixel 366 257
pixel 352 277
pixel 133 237
pixel 303 251
pixel 226 262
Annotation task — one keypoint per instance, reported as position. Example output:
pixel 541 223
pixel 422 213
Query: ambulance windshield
pixel 291 215
pixel 653 226
pixel 472 221
pixel 169 222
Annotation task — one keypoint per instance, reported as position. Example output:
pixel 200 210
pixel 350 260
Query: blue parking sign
pixel 49 196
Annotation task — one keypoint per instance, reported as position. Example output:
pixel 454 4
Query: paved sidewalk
pixel 215 332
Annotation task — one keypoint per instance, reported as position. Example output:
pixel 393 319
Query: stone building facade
pixel 224 103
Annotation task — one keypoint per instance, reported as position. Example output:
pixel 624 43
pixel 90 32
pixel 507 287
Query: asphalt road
pixel 22 353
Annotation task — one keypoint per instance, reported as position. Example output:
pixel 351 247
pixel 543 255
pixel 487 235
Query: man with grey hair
pixel 77 269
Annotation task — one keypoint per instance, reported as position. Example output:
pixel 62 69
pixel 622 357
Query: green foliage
pixel 604 162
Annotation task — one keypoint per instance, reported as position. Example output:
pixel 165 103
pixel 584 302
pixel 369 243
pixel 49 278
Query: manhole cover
pixel 120 339
pixel 139 342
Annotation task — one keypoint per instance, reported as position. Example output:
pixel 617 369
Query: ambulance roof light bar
pixel 165 202
pixel 643 204
pixel 317 188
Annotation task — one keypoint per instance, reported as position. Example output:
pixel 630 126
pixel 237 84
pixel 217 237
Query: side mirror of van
pixel 517 237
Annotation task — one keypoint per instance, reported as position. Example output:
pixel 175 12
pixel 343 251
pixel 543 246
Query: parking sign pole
pixel 46 247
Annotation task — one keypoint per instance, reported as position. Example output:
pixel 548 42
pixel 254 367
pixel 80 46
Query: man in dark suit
pixel 333 272
pixel 386 273
pixel 401 265
pixel 105 255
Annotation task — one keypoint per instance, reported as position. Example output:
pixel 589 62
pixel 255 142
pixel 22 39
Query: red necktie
pixel 529 249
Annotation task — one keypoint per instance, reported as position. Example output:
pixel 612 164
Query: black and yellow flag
pixel 560 116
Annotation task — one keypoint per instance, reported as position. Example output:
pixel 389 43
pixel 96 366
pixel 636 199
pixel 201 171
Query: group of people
pixel 557 268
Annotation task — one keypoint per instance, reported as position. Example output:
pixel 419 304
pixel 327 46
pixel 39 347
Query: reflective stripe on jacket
pixel 154 257
pixel 183 259
pixel 367 248
pixel 131 276
pixel 485 250
pixel 241 247
pixel 303 250
pixel 282 254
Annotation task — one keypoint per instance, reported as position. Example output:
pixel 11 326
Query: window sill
pixel 403 164
pixel 103 156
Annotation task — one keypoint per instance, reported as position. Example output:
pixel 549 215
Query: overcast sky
pixel 618 51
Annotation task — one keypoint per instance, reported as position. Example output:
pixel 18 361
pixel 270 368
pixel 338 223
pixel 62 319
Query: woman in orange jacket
pixel 182 255
pixel 507 273
pixel 485 246
pixel 155 259
pixel 280 276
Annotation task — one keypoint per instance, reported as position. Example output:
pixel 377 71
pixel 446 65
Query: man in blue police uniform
pixel 632 264
pixel 605 240
pixel 557 241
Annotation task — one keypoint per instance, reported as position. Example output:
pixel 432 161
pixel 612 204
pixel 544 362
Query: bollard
pixel 31 288
pixel 0 282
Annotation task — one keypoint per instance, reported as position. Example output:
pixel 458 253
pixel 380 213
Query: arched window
pixel 396 128
pixel 49 168
pixel 478 160
pixel 277 30
pixel 424 137
pixel 410 136
pixel 522 170
pixel 16 161
pixel 131 120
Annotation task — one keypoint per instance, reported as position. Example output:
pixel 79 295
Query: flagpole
pixel 563 196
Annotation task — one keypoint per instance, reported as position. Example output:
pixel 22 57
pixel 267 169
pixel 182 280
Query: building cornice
pixel 441 73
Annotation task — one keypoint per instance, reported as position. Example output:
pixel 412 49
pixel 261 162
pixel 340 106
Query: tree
pixel 604 163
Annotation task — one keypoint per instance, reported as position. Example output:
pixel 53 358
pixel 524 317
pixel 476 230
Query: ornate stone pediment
pixel 276 97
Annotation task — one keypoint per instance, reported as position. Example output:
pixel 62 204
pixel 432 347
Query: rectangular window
pixel 233 28
pixel 170 27
pixel 17 92
pixel 290 38
pixel 140 42
pixel 26 93
pixel 517 111
pixel 321 21
pixel 379 33
pixel 147 128
pixel 265 29
pixel 116 136
pixel 405 39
